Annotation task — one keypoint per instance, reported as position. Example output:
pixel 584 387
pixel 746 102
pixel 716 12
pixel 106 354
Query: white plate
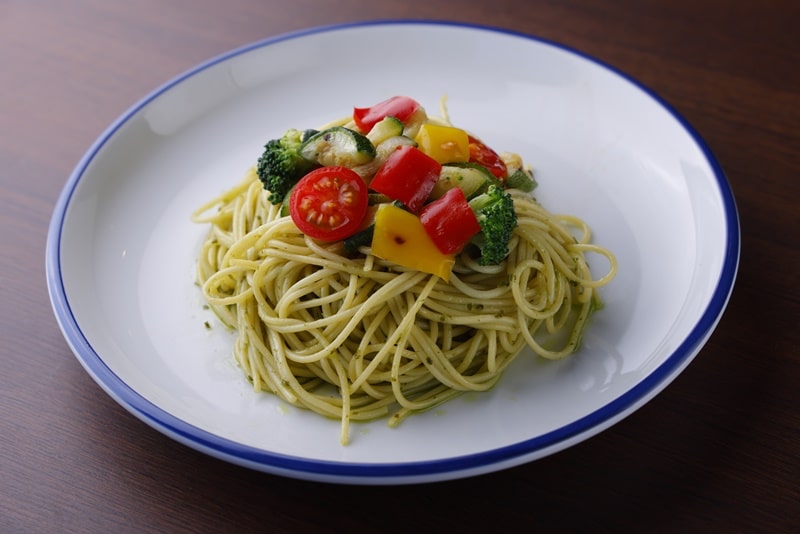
pixel 121 248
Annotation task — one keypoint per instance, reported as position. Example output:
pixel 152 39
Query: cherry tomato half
pixel 483 155
pixel 329 203
pixel 400 107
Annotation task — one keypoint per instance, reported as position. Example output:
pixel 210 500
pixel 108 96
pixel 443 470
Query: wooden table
pixel 716 451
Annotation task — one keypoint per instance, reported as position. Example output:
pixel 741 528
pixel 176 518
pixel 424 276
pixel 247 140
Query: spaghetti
pixel 361 338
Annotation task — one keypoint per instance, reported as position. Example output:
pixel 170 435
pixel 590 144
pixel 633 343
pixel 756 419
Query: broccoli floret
pixel 281 165
pixel 497 218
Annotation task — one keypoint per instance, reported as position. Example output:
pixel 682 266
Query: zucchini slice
pixel 338 146
pixel 363 237
pixel 473 179
pixel 521 179
pixel 384 129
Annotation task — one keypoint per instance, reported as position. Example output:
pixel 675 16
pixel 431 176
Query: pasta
pixel 361 338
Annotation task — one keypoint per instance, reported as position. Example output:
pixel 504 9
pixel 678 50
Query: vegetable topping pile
pixel 415 190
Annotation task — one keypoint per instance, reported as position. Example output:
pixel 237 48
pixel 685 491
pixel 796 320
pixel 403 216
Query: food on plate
pixel 389 261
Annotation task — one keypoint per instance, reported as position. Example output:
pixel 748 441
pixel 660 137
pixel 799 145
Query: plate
pixel 121 248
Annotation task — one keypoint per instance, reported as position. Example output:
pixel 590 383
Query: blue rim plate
pixel 120 250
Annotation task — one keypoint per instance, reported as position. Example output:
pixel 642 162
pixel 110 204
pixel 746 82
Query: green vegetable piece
pixel 281 165
pixel 338 146
pixel 384 129
pixel 359 239
pixel 472 179
pixel 521 179
pixel 494 210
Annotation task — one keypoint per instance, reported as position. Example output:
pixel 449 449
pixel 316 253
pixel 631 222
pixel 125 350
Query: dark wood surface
pixel 716 451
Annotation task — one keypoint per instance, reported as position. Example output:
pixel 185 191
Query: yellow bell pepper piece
pixel 445 144
pixel 400 238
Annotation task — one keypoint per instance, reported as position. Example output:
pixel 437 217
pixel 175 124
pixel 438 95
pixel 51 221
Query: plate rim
pixel 388 472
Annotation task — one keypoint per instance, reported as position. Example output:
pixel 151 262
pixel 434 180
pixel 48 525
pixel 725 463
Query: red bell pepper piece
pixel 399 107
pixel 449 221
pixel 483 155
pixel 408 176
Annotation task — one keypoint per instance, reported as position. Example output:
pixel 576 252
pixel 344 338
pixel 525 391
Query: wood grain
pixel 716 451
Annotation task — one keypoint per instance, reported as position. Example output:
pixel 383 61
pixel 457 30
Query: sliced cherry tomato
pixel 399 107
pixel 329 203
pixel 449 221
pixel 483 155
pixel 408 176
